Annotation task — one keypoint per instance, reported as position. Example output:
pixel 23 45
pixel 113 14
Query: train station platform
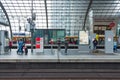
pixel 73 55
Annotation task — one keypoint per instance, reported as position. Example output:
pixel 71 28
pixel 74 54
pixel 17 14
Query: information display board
pixel 39 44
pixel 83 37
pixel 108 42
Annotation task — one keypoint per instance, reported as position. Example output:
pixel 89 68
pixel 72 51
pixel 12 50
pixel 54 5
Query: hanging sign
pixel 112 24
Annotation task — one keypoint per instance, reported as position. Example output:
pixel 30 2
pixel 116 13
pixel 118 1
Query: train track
pixel 59 71
pixel 60 74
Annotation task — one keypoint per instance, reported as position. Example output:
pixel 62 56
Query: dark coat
pixel 95 42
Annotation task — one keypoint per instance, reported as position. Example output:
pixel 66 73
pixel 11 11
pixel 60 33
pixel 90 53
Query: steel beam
pixel 46 13
pixel 89 6
pixel 6 17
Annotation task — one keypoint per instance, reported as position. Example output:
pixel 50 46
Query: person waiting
pixel 66 46
pixel 20 46
pixel 25 50
pixel 95 42
pixel 59 44
pixel 10 45
pixel 115 46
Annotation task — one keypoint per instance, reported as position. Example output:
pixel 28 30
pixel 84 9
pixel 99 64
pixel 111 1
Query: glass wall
pixel 49 34
pixel 118 29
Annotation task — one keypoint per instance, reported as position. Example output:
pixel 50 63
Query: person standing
pixel 25 50
pixel 51 42
pixel 10 45
pixel 95 42
pixel 97 37
pixel 20 46
pixel 115 45
pixel 66 46
pixel 59 44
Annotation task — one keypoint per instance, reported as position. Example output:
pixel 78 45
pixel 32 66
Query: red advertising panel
pixel 37 39
pixel 37 46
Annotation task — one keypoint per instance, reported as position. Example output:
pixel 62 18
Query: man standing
pixel 66 46
pixel 51 42
pixel 95 42
pixel 115 45
pixel 59 44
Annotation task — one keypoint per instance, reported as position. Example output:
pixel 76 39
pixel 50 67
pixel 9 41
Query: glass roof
pixel 3 19
pixel 62 14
